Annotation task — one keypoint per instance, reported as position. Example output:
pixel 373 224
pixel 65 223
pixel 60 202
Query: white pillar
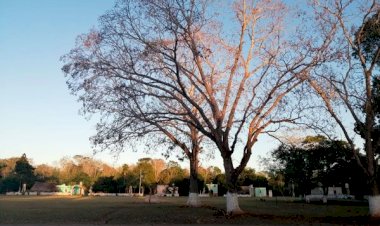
pixel 233 204
pixel 374 206
pixel 193 200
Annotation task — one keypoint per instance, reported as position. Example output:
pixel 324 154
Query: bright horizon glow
pixel 38 115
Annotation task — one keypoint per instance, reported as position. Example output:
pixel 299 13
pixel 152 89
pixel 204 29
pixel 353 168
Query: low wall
pixel 111 194
pixel 39 193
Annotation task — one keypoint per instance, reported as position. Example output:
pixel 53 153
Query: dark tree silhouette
pixel 24 171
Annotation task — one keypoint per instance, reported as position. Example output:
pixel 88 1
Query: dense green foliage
pixel 9 184
pixel 367 38
pixel 249 177
pixel 184 186
pixel 317 162
pixel 24 171
pixel 21 173
pixel 105 184
pixel 367 41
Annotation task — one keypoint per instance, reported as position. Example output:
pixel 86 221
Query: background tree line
pixel 293 167
pixel 104 178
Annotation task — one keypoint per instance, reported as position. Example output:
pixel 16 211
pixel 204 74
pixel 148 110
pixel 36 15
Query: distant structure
pixel 43 187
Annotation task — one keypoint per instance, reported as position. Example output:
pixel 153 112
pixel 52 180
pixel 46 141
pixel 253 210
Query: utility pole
pixel 140 184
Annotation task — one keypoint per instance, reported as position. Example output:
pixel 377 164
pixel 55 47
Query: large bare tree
pixel 347 86
pixel 232 75
pixel 152 119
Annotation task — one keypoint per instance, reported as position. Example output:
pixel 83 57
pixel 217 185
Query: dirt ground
pixel 73 210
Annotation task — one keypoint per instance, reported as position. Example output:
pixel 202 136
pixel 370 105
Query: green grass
pixel 124 210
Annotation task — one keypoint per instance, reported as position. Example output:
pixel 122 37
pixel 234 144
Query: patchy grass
pixel 127 210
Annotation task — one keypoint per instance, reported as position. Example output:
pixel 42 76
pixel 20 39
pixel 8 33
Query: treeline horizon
pixel 290 169
pixel 95 173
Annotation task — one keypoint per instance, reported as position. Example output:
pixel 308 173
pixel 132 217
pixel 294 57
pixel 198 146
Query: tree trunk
pixel 233 204
pixel 193 199
pixel 374 200
pixel 233 207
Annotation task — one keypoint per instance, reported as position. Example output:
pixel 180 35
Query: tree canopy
pixel 367 39
pixel 24 171
pixel 230 83
pixel 314 162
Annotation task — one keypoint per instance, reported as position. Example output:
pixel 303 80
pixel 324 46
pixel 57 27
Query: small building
pixel 43 187
pixel 334 191
pixel 63 188
pixel 261 192
pixel 76 190
pixel 71 189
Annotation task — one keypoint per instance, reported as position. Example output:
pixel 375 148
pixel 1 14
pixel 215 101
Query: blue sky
pixel 38 115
